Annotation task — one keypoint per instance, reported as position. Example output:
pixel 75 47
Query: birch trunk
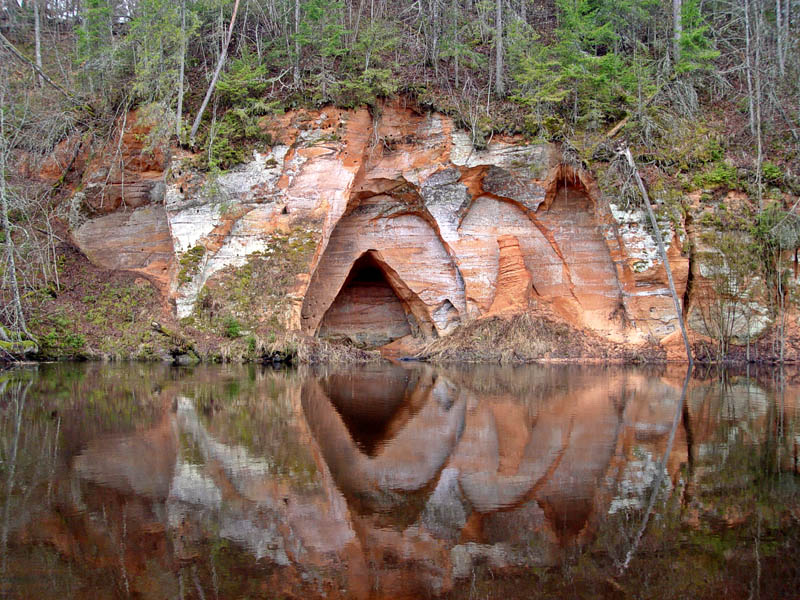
pixel 662 252
pixel 223 55
pixel 37 34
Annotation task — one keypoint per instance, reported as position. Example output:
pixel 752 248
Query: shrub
pixel 232 327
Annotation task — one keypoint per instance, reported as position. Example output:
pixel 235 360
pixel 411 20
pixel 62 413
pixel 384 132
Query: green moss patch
pixel 190 263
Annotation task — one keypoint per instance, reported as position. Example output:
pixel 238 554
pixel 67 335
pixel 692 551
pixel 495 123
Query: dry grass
pixel 314 351
pixel 528 337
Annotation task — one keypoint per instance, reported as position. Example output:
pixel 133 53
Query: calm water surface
pixel 404 481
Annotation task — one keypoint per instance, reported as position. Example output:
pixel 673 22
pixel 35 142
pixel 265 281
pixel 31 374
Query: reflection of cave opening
pixel 568 516
pixel 367 310
pixel 373 406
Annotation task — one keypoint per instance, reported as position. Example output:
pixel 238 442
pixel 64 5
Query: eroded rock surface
pixel 451 233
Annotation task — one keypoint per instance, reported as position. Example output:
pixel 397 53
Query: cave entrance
pixel 568 190
pixel 367 311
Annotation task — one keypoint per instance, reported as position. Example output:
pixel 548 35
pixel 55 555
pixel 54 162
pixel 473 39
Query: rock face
pixel 415 231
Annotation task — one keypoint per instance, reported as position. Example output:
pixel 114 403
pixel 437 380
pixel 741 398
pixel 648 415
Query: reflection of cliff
pixel 527 478
pixel 387 482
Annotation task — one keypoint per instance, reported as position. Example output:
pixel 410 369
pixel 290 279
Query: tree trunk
pixel 296 70
pixel 677 30
pixel 662 252
pixel 223 55
pixel 435 37
pixel 781 22
pixel 757 69
pixel 456 49
pixel 17 320
pixel 37 34
pixel 499 86
pixel 749 67
pixel 179 111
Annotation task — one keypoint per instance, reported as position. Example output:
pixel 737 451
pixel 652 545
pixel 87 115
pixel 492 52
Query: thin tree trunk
pixel 296 70
pixel 223 55
pixel 37 34
pixel 435 35
pixel 354 39
pixel 11 269
pixel 749 67
pixel 456 49
pixel 759 145
pixel 780 39
pixel 179 111
pixel 499 86
pixel 677 31
pixel 662 252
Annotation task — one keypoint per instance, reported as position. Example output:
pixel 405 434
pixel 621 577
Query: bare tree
pixel 220 63
pixel 296 69
pixel 758 97
pixel 749 66
pixel 662 252
pixel 13 314
pixel 677 30
pixel 782 33
pixel 37 34
pixel 179 110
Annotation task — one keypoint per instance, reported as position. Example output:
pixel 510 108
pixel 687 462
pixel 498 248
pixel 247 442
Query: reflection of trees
pixel 27 474
pixel 187 493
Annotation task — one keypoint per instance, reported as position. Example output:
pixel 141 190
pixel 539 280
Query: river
pixel 398 481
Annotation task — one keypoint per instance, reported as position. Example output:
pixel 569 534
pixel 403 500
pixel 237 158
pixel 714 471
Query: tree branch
pixel 21 57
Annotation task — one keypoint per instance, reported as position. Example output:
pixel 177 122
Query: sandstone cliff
pixel 373 227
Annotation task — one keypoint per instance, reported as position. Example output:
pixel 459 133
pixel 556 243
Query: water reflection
pixel 391 481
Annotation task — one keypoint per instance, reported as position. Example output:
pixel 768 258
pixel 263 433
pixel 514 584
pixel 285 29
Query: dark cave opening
pixel 367 311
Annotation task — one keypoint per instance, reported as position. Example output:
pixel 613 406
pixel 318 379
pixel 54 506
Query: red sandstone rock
pixel 513 280
pixel 455 232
